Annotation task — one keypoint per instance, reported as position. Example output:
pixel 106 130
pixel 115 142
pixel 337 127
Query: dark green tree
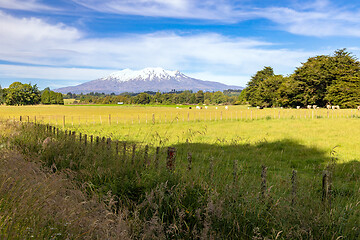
pixel 45 97
pixel 199 96
pixel 317 74
pixel 268 94
pixel 22 94
pixel 2 95
pixel 53 97
pixel 218 97
pixel 142 98
pixel 345 92
pixel 59 99
pixel 252 93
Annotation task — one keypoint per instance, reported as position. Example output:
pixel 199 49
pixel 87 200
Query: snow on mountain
pixel 146 74
pixel 148 79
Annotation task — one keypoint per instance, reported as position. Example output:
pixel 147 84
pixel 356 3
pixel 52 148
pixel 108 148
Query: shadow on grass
pixel 279 155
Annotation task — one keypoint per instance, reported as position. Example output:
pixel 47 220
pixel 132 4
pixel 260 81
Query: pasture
pixel 239 173
pixel 166 125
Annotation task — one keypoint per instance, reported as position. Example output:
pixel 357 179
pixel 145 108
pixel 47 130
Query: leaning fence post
pixel 85 139
pixel 124 151
pixel 189 158
pixel 263 181
pixel 80 135
pixel 157 157
pixel 170 161
pixel 294 186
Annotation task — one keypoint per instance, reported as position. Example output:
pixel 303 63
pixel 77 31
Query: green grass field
pixel 320 128
pixel 222 188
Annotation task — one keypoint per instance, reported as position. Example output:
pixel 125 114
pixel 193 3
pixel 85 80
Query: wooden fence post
pixel 171 156
pixel 156 160
pixel 85 139
pixel 80 135
pixel 153 118
pixel 263 181
pixel 109 119
pixel 124 151
pixel 117 148
pixel 91 139
pixel 108 143
pixel 133 154
pixel 189 158
pixel 294 186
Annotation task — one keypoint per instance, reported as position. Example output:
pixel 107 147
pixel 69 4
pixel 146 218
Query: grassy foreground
pixel 239 173
pixel 219 187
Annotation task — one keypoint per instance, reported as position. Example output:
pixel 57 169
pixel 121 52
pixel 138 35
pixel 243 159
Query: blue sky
pixel 67 42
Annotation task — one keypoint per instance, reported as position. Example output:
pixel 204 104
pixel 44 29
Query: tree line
pixel 321 80
pixel 26 94
pixel 180 97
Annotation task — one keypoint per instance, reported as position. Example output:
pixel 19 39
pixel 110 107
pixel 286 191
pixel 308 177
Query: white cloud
pixel 52 73
pixel 30 5
pixel 33 41
pixel 329 22
pixel 310 18
pixel 193 9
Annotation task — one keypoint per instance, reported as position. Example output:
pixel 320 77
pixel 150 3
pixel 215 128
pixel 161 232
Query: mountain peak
pixel 146 74
pixel 147 79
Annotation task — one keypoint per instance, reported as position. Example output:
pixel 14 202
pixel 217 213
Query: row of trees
pixel 26 94
pixel 321 80
pixel 51 97
pixel 184 97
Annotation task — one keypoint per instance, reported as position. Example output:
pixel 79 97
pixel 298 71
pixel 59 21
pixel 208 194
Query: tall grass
pixel 222 194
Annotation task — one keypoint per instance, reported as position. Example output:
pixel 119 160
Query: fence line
pixel 187 116
pixel 140 155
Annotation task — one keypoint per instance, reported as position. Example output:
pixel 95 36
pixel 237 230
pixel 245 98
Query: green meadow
pixel 238 173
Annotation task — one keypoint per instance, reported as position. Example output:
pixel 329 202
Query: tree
pixel 316 76
pixel 2 95
pixel 218 97
pixel 199 96
pixel 142 98
pixel 45 97
pixel 345 92
pixel 59 98
pixel 268 91
pixel 252 93
pixel 22 94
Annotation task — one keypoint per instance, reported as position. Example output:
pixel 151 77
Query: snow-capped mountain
pixel 148 79
pixel 146 74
